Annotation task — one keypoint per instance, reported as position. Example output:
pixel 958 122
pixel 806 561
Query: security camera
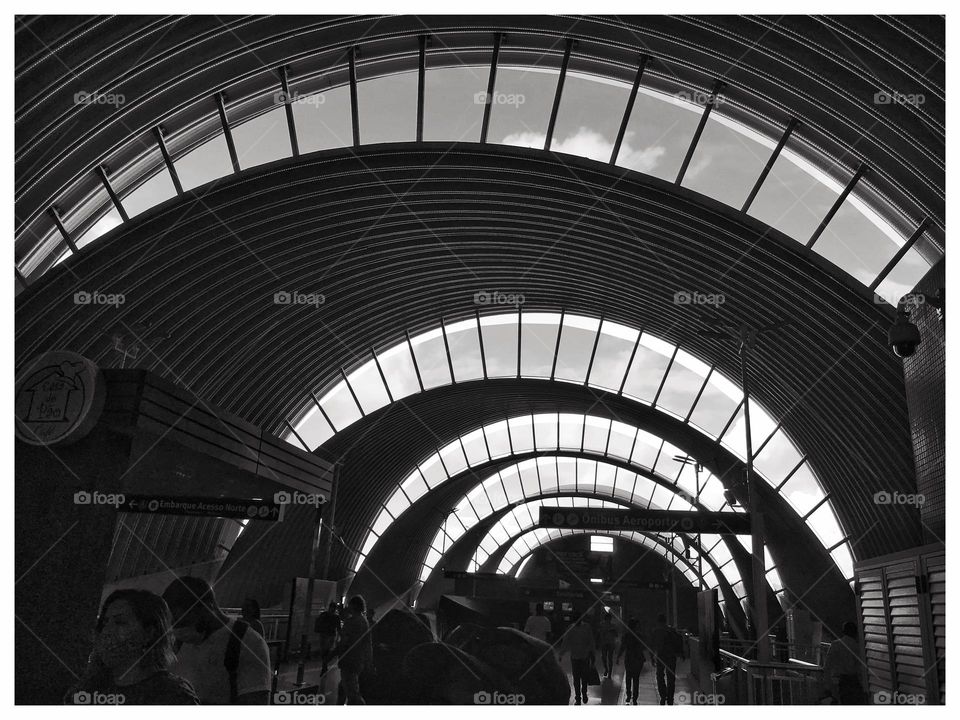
pixel 903 337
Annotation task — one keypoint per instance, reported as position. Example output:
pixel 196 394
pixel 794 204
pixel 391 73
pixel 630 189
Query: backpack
pixel 231 657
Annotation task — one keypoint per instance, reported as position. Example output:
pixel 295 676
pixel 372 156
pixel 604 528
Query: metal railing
pixel 747 682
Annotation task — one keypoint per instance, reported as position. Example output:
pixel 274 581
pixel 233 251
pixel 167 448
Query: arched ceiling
pixel 824 71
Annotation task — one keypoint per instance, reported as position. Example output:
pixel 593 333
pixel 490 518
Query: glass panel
pixel 464 341
pixel 387 107
pixel 711 494
pixel 475 447
pixel 529 479
pixel 453 459
pixel 661 497
pixel 576 345
pixel 548 474
pixel 824 524
pixel 521 434
pixel 481 502
pixel 658 134
pixel 368 386
pixel 682 384
pixel 605 478
pixel 397 364
pixel 586 475
pixel 596 434
pixel 453 102
pixel 567 472
pixel 431 355
pixel 538 344
pixel 368 546
pixel 511 483
pixel 903 278
pixel 794 198
pixel 500 344
pixel 841 555
pixel 433 472
pixel 497 440
pixel 323 120
pixel 646 371
pixel 717 403
pixel 545 432
pixel 340 407
pixel 727 162
pixel 414 486
pixel 150 194
pixel 802 490
pixel 313 428
pixel 761 426
pixel 645 450
pixel 621 440
pixel 857 244
pixel 571 431
pixel 397 504
pixel 613 355
pixel 263 139
pixel 523 99
pixel 778 457
pixel 589 116
pixel 623 481
pixel 496 493
pixel 100 228
pixel 204 163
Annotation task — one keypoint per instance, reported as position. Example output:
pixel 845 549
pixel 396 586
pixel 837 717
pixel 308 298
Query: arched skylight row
pixel 728 158
pixel 547 432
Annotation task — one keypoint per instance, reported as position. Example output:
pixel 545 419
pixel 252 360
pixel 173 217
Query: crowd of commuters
pixel 182 649
pixel 583 641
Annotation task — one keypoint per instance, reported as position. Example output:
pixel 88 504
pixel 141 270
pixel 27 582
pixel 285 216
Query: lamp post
pixel 746 335
pixel 697 468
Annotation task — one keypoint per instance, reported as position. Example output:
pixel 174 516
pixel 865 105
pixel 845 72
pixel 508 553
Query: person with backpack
pixel 327 626
pixel 632 649
pixel 667 647
pixel 355 652
pixel 224 661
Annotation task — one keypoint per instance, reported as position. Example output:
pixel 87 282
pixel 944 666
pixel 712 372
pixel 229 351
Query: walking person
pixel 250 612
pixel 608 643
pixel 667 647
pixel 633 653
pixel 355 652
pixel 538 625
pixel 327 626
pixel 224 661
pixel 580 643
pixel 841 669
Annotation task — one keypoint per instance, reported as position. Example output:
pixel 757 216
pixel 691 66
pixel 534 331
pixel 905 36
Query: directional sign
pixel 645 520
pixel 205 507
pixel 464 575
pixel 640 585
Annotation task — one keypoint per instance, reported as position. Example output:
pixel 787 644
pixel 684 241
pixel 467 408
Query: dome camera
pixel 903 337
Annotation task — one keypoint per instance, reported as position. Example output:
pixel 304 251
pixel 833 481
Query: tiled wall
pixel 924 377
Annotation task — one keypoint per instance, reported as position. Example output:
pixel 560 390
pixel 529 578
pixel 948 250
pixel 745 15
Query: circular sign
pixel 573 519
pixel 686 524
pixel 59 398
pixel 558 518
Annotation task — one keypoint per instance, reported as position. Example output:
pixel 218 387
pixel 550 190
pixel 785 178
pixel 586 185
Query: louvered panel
pixel 937 588
pixel 904 605
pixel 874 623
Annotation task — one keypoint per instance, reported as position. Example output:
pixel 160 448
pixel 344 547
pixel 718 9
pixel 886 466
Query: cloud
pixel 591 144
pixel 699 166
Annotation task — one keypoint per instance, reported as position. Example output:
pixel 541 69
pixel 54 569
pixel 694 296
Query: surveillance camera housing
pixel 903 337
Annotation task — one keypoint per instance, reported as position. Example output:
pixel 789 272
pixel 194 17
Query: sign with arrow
pixel 240 508
pixel 645 520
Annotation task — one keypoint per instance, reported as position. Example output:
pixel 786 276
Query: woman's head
pixel 134 628
pixel 357 604
pixel 194 607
